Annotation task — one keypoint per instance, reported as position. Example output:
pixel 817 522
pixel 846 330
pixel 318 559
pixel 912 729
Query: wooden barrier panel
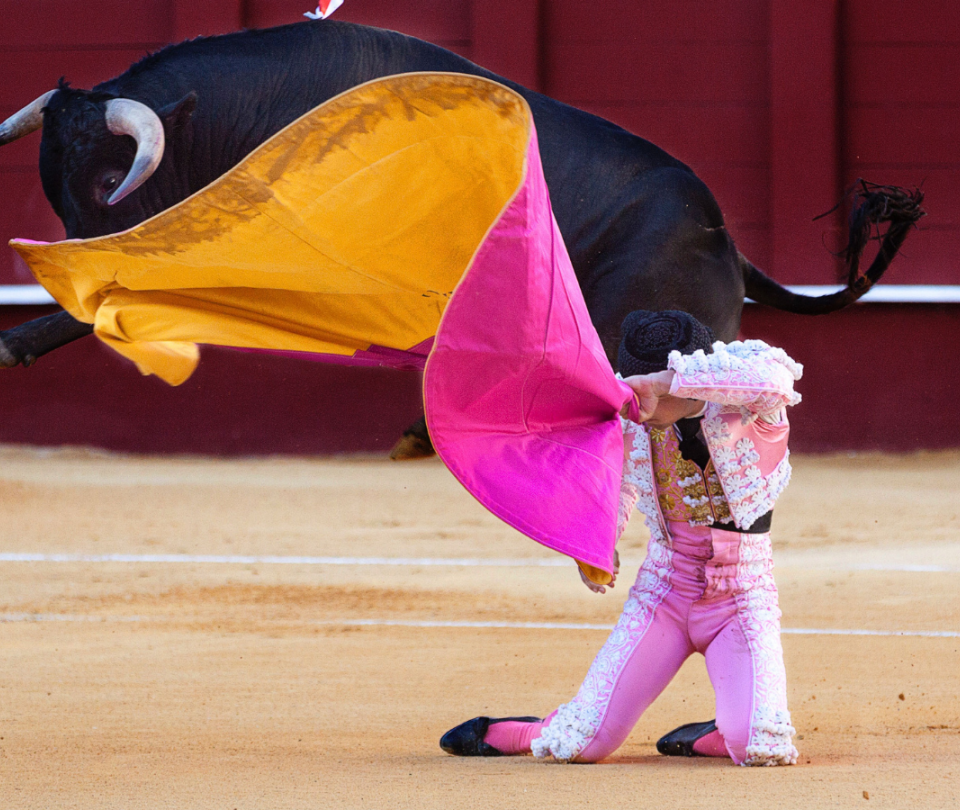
pixel 191 18
pixel 874 376
pixel 506 39
pixel 237 403
pixel 805 151
pixel 37 26
pixel 901 119
pixel 691 77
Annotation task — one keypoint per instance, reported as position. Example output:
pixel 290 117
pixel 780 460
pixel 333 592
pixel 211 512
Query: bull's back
pixel 251 84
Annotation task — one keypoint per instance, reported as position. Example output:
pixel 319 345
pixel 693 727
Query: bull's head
pixel 96 151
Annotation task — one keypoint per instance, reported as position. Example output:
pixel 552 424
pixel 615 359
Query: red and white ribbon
pixel 324 10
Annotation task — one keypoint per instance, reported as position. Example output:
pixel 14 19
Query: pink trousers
pixel 708 591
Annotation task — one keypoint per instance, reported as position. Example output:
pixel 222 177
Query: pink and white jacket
pixel 740 382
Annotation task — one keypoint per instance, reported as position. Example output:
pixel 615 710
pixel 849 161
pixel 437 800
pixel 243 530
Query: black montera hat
pixel 649 337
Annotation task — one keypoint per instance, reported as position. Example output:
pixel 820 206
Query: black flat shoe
pixel 679 742
pixel 466 740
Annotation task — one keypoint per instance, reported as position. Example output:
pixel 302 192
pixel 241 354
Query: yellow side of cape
pixel 349 228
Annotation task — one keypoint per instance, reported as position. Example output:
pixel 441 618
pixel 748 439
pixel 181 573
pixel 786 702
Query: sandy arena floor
pixel 162 681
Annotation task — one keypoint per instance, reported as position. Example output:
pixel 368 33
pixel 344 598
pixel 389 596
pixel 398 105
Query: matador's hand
pixel 593 586
pixel 648 389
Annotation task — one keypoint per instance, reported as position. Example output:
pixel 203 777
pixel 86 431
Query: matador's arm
pixel 750 376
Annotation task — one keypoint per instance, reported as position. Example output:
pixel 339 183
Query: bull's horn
pixel 128 117
pixel 28 120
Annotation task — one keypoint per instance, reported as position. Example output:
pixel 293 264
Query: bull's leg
pixel 415 443
pixel 25 343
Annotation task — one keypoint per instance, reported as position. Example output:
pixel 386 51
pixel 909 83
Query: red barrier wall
pixel 875 378
pixel 777 105
pixel 237 403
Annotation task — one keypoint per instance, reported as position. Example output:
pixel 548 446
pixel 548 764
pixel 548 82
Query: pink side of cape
pixel 521 401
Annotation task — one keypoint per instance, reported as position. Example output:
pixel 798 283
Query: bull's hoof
pixel 7 358
pixel 412 447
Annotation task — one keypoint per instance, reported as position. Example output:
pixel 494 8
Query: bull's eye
pixel 107 184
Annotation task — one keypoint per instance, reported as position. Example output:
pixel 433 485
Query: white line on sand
pixel 451 562
pixel 9 618
pixel 243 559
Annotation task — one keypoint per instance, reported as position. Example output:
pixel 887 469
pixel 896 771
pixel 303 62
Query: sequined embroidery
pixel 682 492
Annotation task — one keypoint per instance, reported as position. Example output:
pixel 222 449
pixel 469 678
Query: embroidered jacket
pixel 740 382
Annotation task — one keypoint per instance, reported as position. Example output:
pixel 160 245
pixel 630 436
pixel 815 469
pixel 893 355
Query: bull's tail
pixel 873 205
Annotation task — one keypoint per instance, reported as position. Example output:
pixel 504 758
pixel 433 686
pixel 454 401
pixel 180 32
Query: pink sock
pixel 512 737
pixel 710 745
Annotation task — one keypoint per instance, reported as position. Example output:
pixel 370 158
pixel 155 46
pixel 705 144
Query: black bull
pixel 642 230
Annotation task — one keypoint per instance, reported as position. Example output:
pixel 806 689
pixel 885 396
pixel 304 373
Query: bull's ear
pixel 178 114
